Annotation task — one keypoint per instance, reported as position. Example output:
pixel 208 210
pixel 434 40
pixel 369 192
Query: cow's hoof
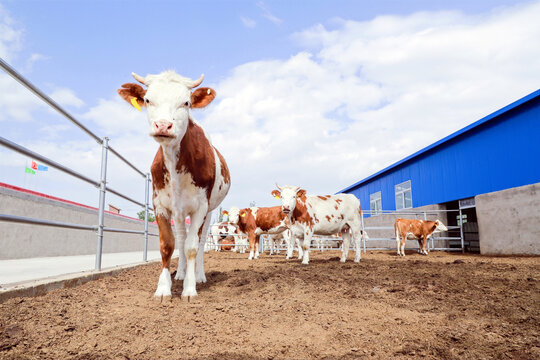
pixel 200 278
pixel 179 275
pixel 162 298
pixel 189 296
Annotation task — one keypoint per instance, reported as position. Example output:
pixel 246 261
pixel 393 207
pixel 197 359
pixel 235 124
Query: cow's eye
pixel 186 104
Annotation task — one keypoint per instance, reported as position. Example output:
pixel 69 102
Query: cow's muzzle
pixel 162 129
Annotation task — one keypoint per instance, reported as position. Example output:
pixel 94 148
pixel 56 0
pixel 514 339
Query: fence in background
pixel 101 184
pixel 409 214
pixel 323 243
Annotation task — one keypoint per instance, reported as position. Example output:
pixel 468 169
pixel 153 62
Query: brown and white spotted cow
pixel 190 177
pixel 220 231
pixel 321 215
pixel 257 221
pixel 411 229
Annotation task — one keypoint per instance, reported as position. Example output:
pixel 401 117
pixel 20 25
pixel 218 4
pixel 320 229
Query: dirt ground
pixel 441 306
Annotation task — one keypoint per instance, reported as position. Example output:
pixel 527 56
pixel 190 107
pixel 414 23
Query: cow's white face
pixel 440 227
pixel 167 103
pixel 287 195
pixel 168 98
pixel 234 215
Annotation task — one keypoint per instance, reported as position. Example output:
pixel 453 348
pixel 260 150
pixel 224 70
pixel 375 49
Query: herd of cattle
pixel 287 224
pixel 191 178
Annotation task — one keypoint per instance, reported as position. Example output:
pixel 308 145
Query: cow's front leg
pixel 257 245
pixel 166 247
pixel 251 239
pixel 290 246
pixel 191 248
pixel 299 249
pixel 180 227
pixel 308 234
pixel 424 244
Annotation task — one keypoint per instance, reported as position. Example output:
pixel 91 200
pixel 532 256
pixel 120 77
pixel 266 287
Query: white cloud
pixel 366 95
pixel 10 35
pixel 268 14
pixel 66 97
pixel 248 22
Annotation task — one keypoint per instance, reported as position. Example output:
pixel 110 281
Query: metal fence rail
pixel 326 241
pixel 101 183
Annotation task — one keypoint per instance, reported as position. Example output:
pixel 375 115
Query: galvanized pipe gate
pixel 100 228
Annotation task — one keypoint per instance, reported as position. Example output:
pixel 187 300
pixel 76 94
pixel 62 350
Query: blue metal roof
pixel 433 147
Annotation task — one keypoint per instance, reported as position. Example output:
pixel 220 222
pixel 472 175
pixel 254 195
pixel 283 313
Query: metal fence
pixel 101 184
pixel 413 214
pixel 324 243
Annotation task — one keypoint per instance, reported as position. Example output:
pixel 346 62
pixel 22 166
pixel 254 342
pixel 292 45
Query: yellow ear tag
pixel 243 215
pixel 277 197
pixel 135 104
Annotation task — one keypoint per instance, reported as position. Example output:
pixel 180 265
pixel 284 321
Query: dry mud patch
pixel 441 306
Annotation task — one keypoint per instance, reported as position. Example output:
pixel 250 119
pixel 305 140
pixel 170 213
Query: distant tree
pixel 252 204
pixel 220 214
pixel 151 217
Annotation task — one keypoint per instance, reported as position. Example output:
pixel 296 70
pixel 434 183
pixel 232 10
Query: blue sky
pixel 312 93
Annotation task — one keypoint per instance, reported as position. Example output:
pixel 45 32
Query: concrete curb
pixel 43 286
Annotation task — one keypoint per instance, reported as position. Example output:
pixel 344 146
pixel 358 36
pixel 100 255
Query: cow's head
pixel 288 196
pixel 167 99
pixel 233 214
pixel 440 226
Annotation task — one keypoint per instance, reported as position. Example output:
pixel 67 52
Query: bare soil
pixel 441 306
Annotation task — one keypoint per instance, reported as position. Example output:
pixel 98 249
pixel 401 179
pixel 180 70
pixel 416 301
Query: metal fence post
pixel 102 191
pixel 461 232
pixel 146 193
pixel 363 231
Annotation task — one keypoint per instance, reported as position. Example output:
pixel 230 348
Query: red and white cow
pixel 257 221
pixel 411 229
pixel 190 177
pixel 221 231
pixel 321 215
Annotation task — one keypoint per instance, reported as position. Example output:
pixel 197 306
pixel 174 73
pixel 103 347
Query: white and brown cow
pixel 190 177
pixel 321 215
pixel 221 231
pixel 256 221
pixel 411 229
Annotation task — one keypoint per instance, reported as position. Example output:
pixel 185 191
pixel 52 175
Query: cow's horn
pixel 279 188
pixel 139 78
pixel 197 82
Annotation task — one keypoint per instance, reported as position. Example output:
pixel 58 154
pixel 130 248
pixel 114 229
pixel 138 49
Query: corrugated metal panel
pixel 494 154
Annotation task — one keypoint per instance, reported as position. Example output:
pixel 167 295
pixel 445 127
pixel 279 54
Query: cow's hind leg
pixel 166 247
pixel 398 243
pixel 346 243
pixel 199 267
pixel 357 238
pixel 402 243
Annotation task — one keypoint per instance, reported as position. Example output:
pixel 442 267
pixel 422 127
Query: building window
pixel 375 203
pixel 403 195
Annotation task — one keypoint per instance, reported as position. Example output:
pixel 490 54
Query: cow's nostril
pixel 169 127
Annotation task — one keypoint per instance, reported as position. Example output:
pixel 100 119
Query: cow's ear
pixel 301 193
pixel 243 213
pixel 276 194
pixel 132 93
pixel 202 97
pixel 225 212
